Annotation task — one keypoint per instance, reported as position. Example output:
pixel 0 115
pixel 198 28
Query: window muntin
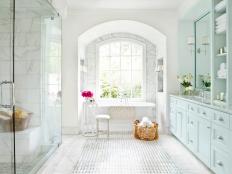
pixel 121 70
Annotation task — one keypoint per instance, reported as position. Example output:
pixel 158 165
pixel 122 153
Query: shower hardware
pixel 12 103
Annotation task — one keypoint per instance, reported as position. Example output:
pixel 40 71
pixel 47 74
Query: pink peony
pixel 87 94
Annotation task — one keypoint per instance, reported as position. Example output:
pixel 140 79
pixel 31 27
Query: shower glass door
pixel 37 83
pixel 6 78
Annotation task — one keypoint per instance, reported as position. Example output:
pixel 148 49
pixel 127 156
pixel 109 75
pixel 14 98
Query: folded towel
pixel 220 6
pixel 221 30
pixel 221 18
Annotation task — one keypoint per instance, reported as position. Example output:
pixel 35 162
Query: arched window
pixel 121 69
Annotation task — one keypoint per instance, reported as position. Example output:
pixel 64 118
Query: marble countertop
pixel 198 100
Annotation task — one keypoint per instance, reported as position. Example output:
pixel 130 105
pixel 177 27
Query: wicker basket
pixel 145 133
pixel 6 122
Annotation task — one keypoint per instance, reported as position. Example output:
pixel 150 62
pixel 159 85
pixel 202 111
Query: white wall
pixel 78 22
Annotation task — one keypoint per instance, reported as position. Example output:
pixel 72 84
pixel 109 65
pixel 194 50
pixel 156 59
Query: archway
pixel 136 28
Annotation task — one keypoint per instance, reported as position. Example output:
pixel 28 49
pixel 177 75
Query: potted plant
pixel 185 83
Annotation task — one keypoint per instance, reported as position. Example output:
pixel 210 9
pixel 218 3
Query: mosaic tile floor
pixel 124 156
pixel 65 159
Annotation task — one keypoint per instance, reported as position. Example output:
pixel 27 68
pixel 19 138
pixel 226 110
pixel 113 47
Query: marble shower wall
pixel 90 63
pixel 5 40
pixel 28 54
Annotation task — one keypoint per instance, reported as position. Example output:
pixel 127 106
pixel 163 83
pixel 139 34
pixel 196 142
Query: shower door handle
pixel 11 92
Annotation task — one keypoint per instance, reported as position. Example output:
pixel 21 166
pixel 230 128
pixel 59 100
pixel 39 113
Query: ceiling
pixel 124 4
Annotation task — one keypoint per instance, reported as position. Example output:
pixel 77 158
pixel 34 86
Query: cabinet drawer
pixel 220 162
pixel 221 118
pixel 205 113
pixel 221 137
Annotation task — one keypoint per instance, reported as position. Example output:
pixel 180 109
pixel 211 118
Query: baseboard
pixel 70 130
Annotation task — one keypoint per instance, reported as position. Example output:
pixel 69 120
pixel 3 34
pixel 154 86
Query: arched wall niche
pixel 137 28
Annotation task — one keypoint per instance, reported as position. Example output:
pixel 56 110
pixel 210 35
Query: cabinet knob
pixel 191 141
pixel 204 113
pixel 221 119
pixel 220 163
pixel 208 127
pixel 220 138
pixel 191 122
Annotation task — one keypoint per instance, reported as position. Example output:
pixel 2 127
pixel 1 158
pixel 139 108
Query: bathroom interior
pixel 69 68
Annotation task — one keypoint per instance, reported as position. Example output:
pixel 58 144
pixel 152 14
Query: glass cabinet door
pixel 6 88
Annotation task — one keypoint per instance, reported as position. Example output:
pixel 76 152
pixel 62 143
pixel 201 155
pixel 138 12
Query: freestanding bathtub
pixel 124 113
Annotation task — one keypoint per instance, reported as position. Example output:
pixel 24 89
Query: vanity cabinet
pixel 205 131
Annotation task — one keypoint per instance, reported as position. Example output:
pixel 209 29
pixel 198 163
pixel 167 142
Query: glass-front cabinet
pixel 30 84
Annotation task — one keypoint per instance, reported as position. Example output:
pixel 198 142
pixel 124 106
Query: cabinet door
pixel 181 125
pixel 204 134
pixel 221 163
pixel 192 132
pixel 173 123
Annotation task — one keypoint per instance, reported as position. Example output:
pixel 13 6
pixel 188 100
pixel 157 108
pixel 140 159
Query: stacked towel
pixel 221 23
pixel 146 122
pixel 222 72
pixel 221 6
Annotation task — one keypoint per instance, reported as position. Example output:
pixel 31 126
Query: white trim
pixel 120 39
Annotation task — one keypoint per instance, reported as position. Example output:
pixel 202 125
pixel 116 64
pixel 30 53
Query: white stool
pixel 103 117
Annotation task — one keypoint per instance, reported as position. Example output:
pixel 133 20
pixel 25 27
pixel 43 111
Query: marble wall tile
pixel 5 39
pixel 5 53
pixel 29 81
pixel 32 96
pixel 5 3
pixel 28 53
pixel 28 25
pixel 27 39
pixel 5 12
pixel 26 67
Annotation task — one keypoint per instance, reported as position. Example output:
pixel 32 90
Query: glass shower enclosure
pixel 30 84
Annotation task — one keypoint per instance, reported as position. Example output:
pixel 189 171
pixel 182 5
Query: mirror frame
pixel 195 47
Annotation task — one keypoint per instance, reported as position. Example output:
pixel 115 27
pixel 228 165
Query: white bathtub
pixel 125 104
pixel 124 113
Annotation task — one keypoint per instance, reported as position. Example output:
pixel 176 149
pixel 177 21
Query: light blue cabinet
pixel 181 125
pixel 204 140
pixel 207 132
pixel 192 133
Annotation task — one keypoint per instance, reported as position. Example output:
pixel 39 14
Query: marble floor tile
pixel 65 159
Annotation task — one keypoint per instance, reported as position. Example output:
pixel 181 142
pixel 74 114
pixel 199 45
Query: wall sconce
pixel 191 42
pixel 204 42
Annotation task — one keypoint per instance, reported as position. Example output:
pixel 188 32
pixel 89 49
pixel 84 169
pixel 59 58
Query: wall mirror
pixel 195 43
pixel 203 42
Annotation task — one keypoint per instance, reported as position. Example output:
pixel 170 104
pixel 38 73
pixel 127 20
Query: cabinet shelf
pixel 221 78
pixel 222 55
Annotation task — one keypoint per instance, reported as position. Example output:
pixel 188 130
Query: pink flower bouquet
pixel 87 94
